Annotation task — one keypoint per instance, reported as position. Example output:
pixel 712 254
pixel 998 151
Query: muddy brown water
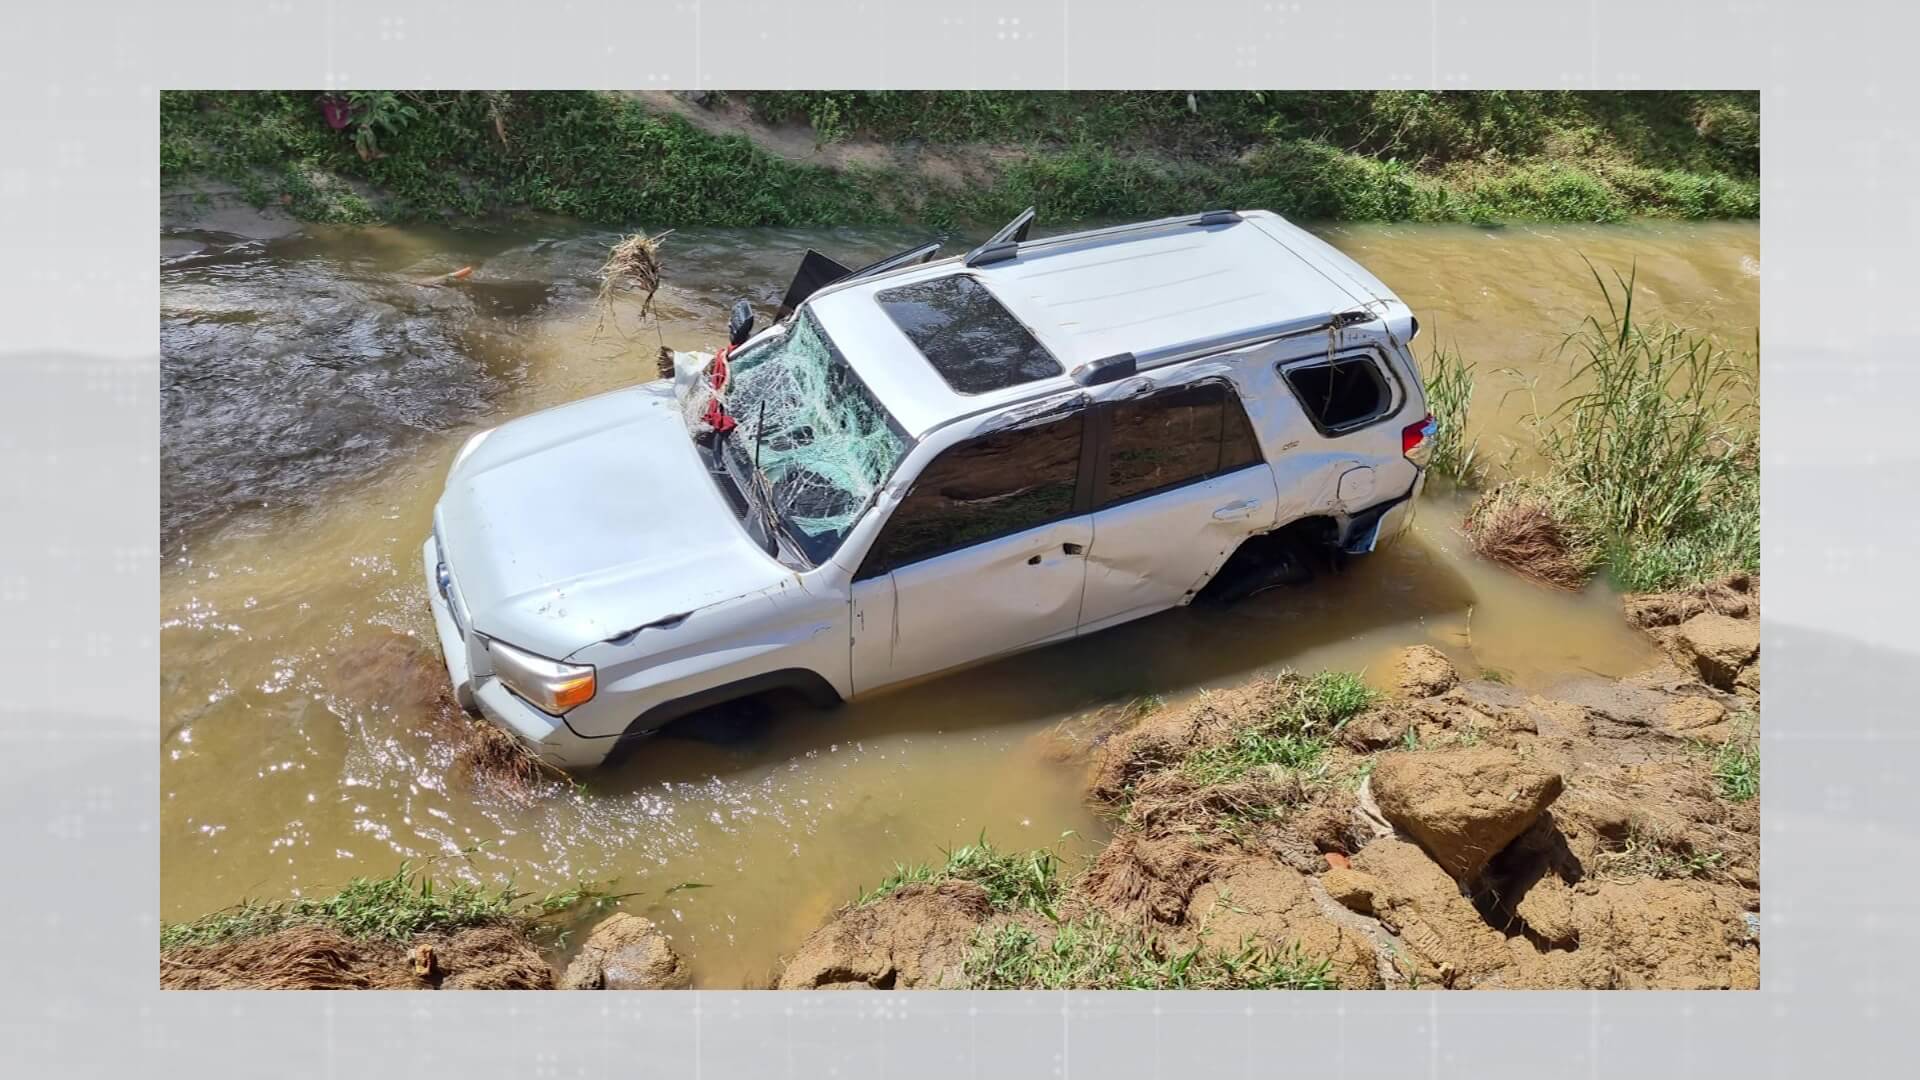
pixel 315 388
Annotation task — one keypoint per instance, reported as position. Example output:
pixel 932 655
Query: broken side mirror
pixel 740 324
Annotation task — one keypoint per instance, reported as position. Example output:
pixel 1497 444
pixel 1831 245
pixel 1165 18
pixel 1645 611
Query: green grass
pixel 1736 762
pixel 394 908
pixel 1014 880
pixel 1295 735
pixel 1094 953
pixel 1449 379
pixel 1653 458
pixel 1371 155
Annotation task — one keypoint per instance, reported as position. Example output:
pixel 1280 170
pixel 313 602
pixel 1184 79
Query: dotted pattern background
pixel 79 560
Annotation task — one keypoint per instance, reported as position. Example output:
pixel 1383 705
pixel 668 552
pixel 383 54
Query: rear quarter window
pixel 1341 395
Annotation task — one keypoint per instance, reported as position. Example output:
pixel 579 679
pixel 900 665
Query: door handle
pixel 1233 511
pixel 1072 549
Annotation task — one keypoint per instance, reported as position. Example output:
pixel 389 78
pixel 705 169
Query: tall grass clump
pixel 1449 379
pixel 1652 461
pixel 1013 880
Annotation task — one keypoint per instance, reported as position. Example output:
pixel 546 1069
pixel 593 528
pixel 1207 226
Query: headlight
pixel 467 448
pixel 547 685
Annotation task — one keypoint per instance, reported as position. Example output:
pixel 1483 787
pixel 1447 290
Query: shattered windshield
pixel 827 445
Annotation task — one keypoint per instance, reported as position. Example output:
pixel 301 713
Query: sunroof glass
pixel 975 344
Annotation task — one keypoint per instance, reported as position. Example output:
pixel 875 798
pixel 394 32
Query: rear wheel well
pixel 1289 555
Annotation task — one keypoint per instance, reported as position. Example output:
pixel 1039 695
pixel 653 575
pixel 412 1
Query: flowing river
pixel 316 384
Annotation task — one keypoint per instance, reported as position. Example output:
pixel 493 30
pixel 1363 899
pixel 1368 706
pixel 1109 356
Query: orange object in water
pixel 461 274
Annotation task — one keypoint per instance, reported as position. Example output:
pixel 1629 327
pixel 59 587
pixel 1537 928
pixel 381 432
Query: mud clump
pixel 1148 879
pixel 626 952
pixel 1463 805
pixel 915 937
pixel 1257 902
pixel 1736 596
pixel 317 957
pixel 1718 647
pixel 1422 671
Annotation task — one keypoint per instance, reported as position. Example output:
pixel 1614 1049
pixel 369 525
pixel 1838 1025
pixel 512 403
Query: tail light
pixel 1416 440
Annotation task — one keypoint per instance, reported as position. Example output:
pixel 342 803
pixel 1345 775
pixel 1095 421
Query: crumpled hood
pixel 577 524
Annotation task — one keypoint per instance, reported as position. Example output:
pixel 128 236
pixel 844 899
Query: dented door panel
pixel 993 598
pixel 1155 553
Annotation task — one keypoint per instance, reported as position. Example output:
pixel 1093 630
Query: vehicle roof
pixel 1089 299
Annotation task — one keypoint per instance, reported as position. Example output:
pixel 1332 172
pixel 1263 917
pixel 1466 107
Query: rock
pixel 1547 909
pixel 1718 647
pixel 1423 671
pixel 626 952
pixel 1463 805
pixel 916 937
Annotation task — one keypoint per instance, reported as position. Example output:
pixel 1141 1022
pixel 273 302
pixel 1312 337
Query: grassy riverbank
pixel 964 158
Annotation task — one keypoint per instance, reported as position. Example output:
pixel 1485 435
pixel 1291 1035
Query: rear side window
pixel 970 339
pixel 1342 395
pixel 1175 437
pixel 987 487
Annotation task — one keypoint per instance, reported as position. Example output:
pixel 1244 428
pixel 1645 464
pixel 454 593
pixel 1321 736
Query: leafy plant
pixel 377 113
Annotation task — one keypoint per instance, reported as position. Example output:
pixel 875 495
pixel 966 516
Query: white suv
pixel 926 464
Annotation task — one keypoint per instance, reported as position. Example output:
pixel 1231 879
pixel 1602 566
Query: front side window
pixel 990 486
pixel 1175 437
pixel 826 445
pixel 968 336
pixel 1346 393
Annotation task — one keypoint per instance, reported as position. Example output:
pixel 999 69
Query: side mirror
pixel 740 324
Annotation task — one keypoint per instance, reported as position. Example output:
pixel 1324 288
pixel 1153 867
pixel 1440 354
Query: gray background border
pixel 79 506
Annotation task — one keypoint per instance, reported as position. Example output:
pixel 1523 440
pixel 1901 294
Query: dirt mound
pixel 1167 735
pixel 1516 527
pixel 626 952
pixel 1712 631
pixel 315 957
pixel 915 937
pixel 1422 671
pixel 1142 879
pixel 1463 805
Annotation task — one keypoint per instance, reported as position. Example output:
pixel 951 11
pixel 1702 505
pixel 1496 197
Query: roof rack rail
pixel 1012 239
pixel 1108 368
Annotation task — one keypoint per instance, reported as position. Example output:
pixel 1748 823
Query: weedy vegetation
pixel 1476 156
pixel 1653 470
pixel 1294 736
pixel 1013 880
pixel 397 907
pixel 1736 762
pixel 1092 952
pixel 1449 379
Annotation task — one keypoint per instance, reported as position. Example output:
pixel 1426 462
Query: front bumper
pixel 548 737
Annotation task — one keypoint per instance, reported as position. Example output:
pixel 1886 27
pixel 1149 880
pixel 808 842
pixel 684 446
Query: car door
pixel 1179 482
pixel 985 555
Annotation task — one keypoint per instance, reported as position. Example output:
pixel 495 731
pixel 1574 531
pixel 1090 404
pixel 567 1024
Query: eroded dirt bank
pixel 1602 833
